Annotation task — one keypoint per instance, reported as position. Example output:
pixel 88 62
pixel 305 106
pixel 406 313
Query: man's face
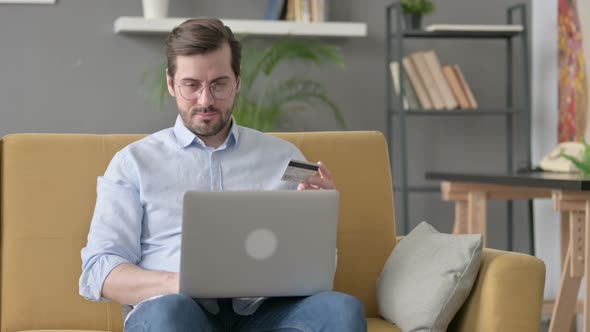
pixel 205 88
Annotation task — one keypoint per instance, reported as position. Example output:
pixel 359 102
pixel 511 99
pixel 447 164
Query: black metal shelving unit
pixel 396 35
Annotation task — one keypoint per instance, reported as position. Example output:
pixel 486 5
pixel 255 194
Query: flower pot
pixel 155 8
pixel 413 21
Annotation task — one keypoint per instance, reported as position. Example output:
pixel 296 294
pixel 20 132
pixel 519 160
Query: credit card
pixel 299 171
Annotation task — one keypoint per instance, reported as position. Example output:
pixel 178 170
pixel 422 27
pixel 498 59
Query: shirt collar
pixel 185 137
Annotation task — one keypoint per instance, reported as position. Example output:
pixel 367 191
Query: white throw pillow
pixel 427 278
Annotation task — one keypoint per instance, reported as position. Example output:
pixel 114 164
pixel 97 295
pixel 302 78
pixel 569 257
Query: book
pixel 410 101
pixel 297 10
pixel 455 86
pixel 290 10
pixel 318 10
pixel 305 11
pixel 302 10
pixel 322 10
pixel 416 81
pixel 409 91
pixel 427 79
pixel 284 10
pixel 435 68
pixel 475 27
pixel 274 9
pixel 315 15
pixel 465 87
pixel 394 69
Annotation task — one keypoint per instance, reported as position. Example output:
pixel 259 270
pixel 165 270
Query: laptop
pixel 258 243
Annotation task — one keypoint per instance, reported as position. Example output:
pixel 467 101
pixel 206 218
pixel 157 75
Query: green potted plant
pixel 413 11
pixel 263 97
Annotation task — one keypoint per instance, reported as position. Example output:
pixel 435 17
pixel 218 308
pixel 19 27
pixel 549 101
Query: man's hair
pixel 199 36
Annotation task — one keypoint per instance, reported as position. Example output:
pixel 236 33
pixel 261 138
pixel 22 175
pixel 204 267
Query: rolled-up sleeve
pixel 115 231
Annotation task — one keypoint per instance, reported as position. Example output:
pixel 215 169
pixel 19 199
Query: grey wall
pixel 64 70
pixel 545 78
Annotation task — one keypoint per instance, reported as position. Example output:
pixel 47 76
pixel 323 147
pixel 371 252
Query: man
pixel 133 251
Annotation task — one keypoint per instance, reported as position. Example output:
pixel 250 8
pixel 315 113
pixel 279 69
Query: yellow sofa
pixel 48 192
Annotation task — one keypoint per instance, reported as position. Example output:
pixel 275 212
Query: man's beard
pixel 206 128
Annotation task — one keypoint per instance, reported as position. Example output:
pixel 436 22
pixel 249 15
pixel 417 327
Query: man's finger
pixel 303 186
pixel 320 182
pixel 324 172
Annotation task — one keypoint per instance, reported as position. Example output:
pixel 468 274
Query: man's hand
pixel 323 181
pixel 130 284
pixel 174 282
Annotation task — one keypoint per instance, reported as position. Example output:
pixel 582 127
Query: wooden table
pixel 571 196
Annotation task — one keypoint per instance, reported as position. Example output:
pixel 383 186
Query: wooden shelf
pixel 18 2
pixel 140 25
pixel 459 34
pixel 459 112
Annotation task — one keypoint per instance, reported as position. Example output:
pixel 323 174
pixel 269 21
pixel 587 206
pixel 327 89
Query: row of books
pixel 297 10
pixel 429 85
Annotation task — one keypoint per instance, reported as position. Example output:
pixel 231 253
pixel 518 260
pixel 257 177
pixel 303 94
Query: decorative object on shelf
pixel 155 8
pixel 583 163
pixel 261 99
pixel 554 161
pixel 414 10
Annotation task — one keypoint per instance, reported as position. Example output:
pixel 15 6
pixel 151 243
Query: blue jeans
pixel 327 311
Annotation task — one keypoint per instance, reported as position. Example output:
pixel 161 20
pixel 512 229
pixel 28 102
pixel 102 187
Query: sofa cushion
pixel 427 278
pixel 380 325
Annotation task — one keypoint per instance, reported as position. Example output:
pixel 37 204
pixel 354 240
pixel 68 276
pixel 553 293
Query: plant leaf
pixel 583 167
pixel 155 86
pixel 586 156
pixel 297 49
pixel 309 91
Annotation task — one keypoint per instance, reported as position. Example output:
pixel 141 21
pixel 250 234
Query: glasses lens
pixel 191 90
pixel 221 90
pixel 194 90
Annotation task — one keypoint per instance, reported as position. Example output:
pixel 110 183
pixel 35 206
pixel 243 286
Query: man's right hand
pixel 130 284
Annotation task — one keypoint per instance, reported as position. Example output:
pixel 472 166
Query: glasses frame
pixel 200 91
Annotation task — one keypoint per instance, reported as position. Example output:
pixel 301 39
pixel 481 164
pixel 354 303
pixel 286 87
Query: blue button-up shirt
pixel 138 213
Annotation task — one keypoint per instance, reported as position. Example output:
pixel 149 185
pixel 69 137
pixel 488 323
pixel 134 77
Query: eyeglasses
pixel 191 90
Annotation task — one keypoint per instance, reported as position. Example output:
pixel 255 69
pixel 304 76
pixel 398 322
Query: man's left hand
pixel 323 181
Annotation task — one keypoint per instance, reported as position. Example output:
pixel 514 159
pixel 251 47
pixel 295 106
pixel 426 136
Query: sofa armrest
pixel 507 295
